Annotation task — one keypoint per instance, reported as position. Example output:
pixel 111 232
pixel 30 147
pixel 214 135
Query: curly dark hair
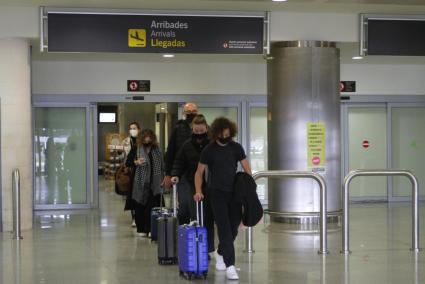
pixel 220 124
pixel 149 133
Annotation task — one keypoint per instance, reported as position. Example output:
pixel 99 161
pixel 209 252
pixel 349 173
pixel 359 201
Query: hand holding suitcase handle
pixel 198 197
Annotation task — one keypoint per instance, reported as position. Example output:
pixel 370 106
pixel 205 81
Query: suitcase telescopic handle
pixel 175 199
pixel 200 221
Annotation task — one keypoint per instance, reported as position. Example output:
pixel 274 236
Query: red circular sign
pixel 365 144
pixel 316 161
pixel 133 86
pixel 225 45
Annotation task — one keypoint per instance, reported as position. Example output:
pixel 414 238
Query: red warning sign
pixel 133 86
pixel 365 144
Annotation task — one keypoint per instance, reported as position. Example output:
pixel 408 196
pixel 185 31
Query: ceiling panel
pixel 401 6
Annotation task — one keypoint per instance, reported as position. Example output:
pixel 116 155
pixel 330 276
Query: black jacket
pixel 246 193
pixel 187 160
pixel 179 135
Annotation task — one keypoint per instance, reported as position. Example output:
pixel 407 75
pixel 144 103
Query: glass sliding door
pixel 212 112
pixel 367 149
pixel 408 148
pixel 258 147
pixel 60 157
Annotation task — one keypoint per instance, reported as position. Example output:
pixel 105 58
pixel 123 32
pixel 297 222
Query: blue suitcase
pixel 193 248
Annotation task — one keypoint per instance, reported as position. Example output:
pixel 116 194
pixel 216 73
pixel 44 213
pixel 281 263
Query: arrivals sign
pixel 316 146
pixel 137 33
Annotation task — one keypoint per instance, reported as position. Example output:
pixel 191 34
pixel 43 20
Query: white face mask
pixel 134 132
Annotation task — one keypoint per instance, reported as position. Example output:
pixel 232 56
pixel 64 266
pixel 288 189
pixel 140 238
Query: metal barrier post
pixel 323 205
pixel 415 215
pixel 249 240
pixel 16 192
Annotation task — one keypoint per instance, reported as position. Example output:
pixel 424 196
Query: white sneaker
pixel 142 235
pixel 219 261
pixel 231 273
pixel 133 224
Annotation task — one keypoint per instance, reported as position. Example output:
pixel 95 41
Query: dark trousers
pixel 142 213
pixel 227 215
pixel 186 202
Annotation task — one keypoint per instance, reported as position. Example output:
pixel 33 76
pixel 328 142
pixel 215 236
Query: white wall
pixel 110 77
pixel 16 150
pixel 250 78
pixel 385 79
pixel 314 26
pixel 222 76
pixel 20 22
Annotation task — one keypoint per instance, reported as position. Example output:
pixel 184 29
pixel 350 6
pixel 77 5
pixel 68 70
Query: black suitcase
pixel 167 235
pixel 155 214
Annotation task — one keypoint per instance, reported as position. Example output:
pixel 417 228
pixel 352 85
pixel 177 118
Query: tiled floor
pixel 99 246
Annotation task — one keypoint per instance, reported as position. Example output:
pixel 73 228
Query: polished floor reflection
pixel 99 246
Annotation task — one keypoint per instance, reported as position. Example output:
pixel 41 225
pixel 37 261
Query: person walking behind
pixel 130 148
pixel 185 165
pixel 181 132
pixel 222 157
pixel 148 177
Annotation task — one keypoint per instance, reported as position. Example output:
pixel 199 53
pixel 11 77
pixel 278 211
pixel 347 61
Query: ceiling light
pixel 357 57
pixel 168 55
pixel 279 0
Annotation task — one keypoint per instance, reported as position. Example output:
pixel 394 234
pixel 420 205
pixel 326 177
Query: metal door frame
pixel 90 102
pixel 345 145
pixel 249 105
pixel 390 107
pixel 240 114
pixel 389 102
pixel 88 203
pixel 1 178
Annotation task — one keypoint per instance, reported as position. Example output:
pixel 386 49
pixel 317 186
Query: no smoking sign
pixel 138 85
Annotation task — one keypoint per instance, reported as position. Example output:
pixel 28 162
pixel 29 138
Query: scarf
pixel 143 185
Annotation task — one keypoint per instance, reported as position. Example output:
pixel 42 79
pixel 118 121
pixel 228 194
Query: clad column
pixel 16 142
pixel 304 108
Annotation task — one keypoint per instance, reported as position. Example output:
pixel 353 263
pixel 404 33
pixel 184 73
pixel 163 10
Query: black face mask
pixel 199 138
pixel 190 117
pixel 224 140
pixel 147 144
